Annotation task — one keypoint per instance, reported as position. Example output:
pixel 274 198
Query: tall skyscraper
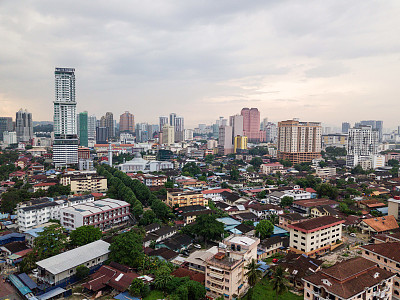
pixel 126 122
pixel 236 122
pixel 172 117
pixel 251 125
pixel 107 121
pixel 271 133
pixel 92 128
pixel 23 125
pixel 299 141
pixel 163 121
pixel 168 134
pixel 83 129
pixel 345 127
pixel 65 146
pixel 6 124
pixel 142 133
pixel 179 129
pixel 101 135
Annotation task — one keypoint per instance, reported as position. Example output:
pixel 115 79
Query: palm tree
pixel 162 277
pixel 279 281
pixel 253 275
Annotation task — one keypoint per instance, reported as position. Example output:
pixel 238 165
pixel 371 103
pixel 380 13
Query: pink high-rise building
pixel 251 125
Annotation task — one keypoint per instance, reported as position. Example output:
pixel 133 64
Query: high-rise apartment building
pixel 107 121
pixel 6 124
pixel 251 125
pixel 9 138
pixel 179 129
pixel 92 128
pixel 83 128
pixel 225 145
pixel 23 125
pixel 377 125
pixel 299 141
pixel 240 144
pixel 345 127
pixel 172 117
pixel 362 144
pixel 142 133
pixel 101 135
pixel 162 122
pixel 168 134
pixel 127 122
pixel 271 132
pixel 65 146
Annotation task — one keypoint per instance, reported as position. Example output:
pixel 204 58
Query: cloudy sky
pixel 328 61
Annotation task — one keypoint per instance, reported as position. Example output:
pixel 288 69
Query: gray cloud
pixel 202 59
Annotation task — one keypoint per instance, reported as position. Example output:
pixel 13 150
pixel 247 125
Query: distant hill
pixel 43 128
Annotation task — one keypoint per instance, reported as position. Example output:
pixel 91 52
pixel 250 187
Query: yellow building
pixel 240 143
pixel 186 198
pixel 81 184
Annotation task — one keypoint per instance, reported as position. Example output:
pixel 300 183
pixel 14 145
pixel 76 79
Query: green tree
pixel 169 185
pixel 253 275
pixel 191 168
pixel 208 227
pixel 327 190
pixel 264 229
pixel 148 217
pixel 126 249
pixel 393 162
pixel 161 210
pixel 82 272
pixel 209 158
pixel 84 235
pixel 234 174
pixel 322 164
pixel 162 277
pixel 28 262
pixel 286 163
pixel 286 201
pixel 136 287
pixel 279 281
pixel 248 223
pixel 50 241
pixel 256 162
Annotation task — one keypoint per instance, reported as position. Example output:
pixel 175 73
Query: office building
pixel 315 236
pixel 271 133
pixel 334 140
pixel 240 144
pixel 83 128
pixel 172 117
pixel 107 121
pixel 65 145
pixel 225 145
pixel 345 127
pixel 168 134
pixel 236 122
pixel 101 135
pixel 251 125
pixel 142 133
pixel 59 268
pixel 103 214
pixel 23 126
pixel 225 271
pixel 356 278
pixel 362 144
pixel 6 124
pixel 299 141
pixel 179 129
pixel 188 134
pixel 126 122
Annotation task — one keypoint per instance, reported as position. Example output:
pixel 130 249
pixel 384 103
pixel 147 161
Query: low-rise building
pixel 325 172
pixel 80 184
pixel 378 224
pixel 103 214
pixel 43 186
pixel 60 268
pixel 185 198
pixel 270 246
pixel 271 167
pixel 298 194
pixel 387 256
pixel 323 210
pixel 225 271
pixel 394 207
pixel 315 236
pixel 356 278
pixel 304 206
pixel 287 219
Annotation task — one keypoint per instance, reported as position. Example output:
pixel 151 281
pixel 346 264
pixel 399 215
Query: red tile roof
pixel 316 224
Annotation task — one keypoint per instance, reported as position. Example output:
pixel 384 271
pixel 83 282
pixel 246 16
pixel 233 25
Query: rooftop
pixel 388 250
pixel 316 224
pixel 381 224
pixel 75 257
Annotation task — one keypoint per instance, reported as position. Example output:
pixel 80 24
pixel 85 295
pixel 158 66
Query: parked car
pixel 197 246
pixel 275 260
pixel 353 234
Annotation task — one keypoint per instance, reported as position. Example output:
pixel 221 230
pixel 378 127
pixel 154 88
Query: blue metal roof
pixel 27 281
pixel 50 294
pixel 125 296
pixel 19 285
pixel 34 232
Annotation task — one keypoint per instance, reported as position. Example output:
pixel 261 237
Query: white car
pixel 353 234
pixel 197 246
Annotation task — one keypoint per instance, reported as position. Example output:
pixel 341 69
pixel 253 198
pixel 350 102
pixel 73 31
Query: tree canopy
pixel 84 235
pixel 207 227
pixel 264 229
pixel 126 249
pixel 50 241
pixel 191 168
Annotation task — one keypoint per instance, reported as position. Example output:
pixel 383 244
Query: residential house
pixel 272 245
pixel 287 219
pixel 378 224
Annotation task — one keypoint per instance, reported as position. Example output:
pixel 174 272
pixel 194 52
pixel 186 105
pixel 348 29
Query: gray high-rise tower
pixel 23 125
pixel 65 146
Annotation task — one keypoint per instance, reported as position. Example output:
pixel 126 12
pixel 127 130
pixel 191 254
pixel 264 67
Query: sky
pixel 329 61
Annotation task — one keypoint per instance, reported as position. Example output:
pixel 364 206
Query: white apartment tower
pixel 362 144
pixel 65 146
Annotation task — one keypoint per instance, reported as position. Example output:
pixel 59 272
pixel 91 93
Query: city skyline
pixel 314 61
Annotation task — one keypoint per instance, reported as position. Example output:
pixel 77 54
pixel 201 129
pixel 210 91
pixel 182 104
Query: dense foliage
pixel 84 235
